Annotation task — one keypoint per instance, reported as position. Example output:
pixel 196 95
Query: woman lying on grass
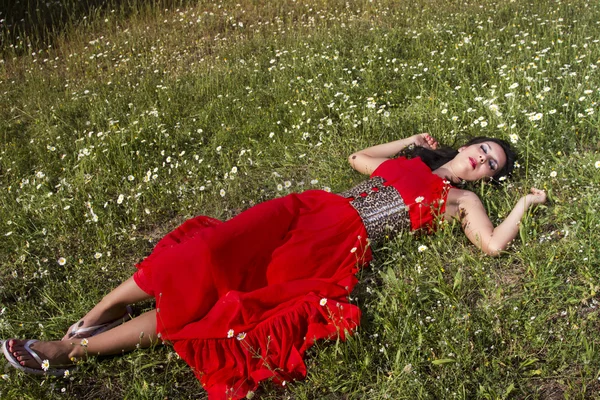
pixel 242 300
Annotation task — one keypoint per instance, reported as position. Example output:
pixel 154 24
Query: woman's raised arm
pixel 477 225
pixel 366 161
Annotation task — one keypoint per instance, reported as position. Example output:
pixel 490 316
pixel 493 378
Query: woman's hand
pixel 425 140
pixel 536 196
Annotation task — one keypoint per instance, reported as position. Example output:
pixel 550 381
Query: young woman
pixel 241 301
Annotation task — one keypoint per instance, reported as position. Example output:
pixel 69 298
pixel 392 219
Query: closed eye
pixel 492 163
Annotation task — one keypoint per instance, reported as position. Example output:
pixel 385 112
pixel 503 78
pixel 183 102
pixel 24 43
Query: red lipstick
pixel 473 162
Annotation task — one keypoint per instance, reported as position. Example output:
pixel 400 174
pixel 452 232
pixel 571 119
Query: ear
pixel 461 148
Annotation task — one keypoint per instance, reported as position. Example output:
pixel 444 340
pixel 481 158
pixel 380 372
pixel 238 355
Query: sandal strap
pixel 100 327
pixel 32 352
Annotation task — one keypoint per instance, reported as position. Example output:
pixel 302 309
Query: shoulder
pixel 460 200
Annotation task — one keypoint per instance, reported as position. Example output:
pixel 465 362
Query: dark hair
pixel 436 158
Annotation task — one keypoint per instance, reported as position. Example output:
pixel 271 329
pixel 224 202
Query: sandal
pixel 79 333
pixel 35 371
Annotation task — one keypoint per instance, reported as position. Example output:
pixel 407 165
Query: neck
pixel 447 172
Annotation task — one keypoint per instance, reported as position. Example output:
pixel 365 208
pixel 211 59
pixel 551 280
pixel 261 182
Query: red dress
pixel 242 300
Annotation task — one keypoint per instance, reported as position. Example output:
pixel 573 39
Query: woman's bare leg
pixel 139 332
pixel 113 305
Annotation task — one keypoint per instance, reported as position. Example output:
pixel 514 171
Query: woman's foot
pixel 98 320
pixel 38 357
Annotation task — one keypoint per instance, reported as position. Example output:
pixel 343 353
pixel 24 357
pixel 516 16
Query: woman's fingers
pixel 431 141
pixel 539 195
pixel 426 140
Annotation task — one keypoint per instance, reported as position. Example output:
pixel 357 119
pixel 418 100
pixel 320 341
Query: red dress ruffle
pixel 242 300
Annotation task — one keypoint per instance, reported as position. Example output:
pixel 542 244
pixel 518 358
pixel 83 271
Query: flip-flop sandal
pixel 15 363
pixel 89 331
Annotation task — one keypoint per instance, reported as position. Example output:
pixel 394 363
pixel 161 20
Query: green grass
pixel 159 102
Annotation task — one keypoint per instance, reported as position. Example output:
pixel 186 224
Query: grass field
pixel 118 122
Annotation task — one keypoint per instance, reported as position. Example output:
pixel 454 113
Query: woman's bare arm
pixel 366 161
pixel 477 225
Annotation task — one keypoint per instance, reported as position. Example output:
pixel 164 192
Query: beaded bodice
pixel 380 207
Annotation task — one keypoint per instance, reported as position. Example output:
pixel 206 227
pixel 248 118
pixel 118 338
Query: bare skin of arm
pixel 366 161
pixel 466 206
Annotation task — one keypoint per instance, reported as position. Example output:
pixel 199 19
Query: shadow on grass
pixel 39 23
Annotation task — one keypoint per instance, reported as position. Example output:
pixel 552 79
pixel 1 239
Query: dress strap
pixel 380 207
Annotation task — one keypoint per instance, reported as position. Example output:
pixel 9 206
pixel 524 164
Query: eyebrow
pixel 490 148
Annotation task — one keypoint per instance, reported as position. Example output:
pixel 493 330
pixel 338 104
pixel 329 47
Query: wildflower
pixel 454 118
pixel 553 111
pixel 97 255
pixel 553 174
pixel 514 86
pixel 422 248
pixel 230 333
pixel 314 181
pixel 287 184
pixel 536 116
pixel 234 170
pixel 67 373
pixel 130 178
pixel 597 164
pixel 222 192
pixel 483 124
pixel 517 165
pixel 120 199
pixel 45 365
pixel 514 138
pixel 62 261
pixel 241 336
pixel 419 199
pixel 323 302
pixel 5 377
pixel 84 342
pixel 279 187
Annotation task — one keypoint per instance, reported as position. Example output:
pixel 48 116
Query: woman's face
pixel 478 161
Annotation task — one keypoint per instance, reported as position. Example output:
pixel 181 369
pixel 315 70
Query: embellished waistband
pixel 381 208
